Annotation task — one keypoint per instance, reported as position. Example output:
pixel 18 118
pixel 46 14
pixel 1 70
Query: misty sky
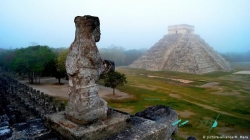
pixel 132 24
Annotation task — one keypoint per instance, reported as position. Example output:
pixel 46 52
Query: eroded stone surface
pixel 99 129
pixel 84 65
pixel 119 125
pixel 154 122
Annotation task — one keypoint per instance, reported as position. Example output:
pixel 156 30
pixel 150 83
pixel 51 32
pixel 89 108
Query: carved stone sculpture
pixel 84 66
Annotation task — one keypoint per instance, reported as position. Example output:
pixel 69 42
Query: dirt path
pixel 242 72
pixel 48 86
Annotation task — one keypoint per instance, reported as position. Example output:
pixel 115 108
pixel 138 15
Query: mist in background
pixel 223 24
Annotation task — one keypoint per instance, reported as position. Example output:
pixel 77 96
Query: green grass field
pixel 227 94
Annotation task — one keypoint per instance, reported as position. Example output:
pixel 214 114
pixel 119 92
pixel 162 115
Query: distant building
pixel 182 50
pixel 181 29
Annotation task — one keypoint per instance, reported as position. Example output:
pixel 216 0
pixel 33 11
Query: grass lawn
pixel 229 97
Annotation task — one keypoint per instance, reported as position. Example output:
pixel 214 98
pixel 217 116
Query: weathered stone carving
pixel 84 66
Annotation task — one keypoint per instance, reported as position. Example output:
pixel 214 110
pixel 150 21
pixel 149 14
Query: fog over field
pixel 131 24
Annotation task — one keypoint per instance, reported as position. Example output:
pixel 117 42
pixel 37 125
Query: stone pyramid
pixel 182 50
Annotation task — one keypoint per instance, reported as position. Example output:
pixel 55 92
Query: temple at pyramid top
pixel 181 29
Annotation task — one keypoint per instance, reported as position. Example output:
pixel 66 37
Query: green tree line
pixel 120 56
pixel 34 62
pixel 38 61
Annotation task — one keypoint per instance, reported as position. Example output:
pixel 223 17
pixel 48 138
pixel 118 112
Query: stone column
pixel 84 66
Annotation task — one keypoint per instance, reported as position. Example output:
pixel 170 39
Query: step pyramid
pixel 183 51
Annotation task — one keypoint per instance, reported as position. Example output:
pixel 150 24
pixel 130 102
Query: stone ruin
pixel 183 51
pixel 22 109
pixel 87 116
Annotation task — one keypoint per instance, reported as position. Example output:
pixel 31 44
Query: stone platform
pixel 98 129
pixel 153 123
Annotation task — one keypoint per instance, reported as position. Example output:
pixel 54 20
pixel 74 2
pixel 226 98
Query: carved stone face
pixel 89 24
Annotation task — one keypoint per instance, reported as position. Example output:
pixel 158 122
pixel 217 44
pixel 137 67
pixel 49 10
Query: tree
pixel 120 56
pixel 113 53
pixel 32 60
pixel 113 79
pixel 60 65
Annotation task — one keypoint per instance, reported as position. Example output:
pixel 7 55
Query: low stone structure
pixel 22 109
pixel 99 129
pixel 153 123
pixel 182 50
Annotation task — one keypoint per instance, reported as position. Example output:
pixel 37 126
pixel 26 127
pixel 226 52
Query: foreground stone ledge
pixel 155 123
pixel 99 129
pixel 147 130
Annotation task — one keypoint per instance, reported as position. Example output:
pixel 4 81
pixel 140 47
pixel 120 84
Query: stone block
pixel 98 129
pixel 154 123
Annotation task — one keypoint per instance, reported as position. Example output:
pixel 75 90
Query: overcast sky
pixel 132 24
